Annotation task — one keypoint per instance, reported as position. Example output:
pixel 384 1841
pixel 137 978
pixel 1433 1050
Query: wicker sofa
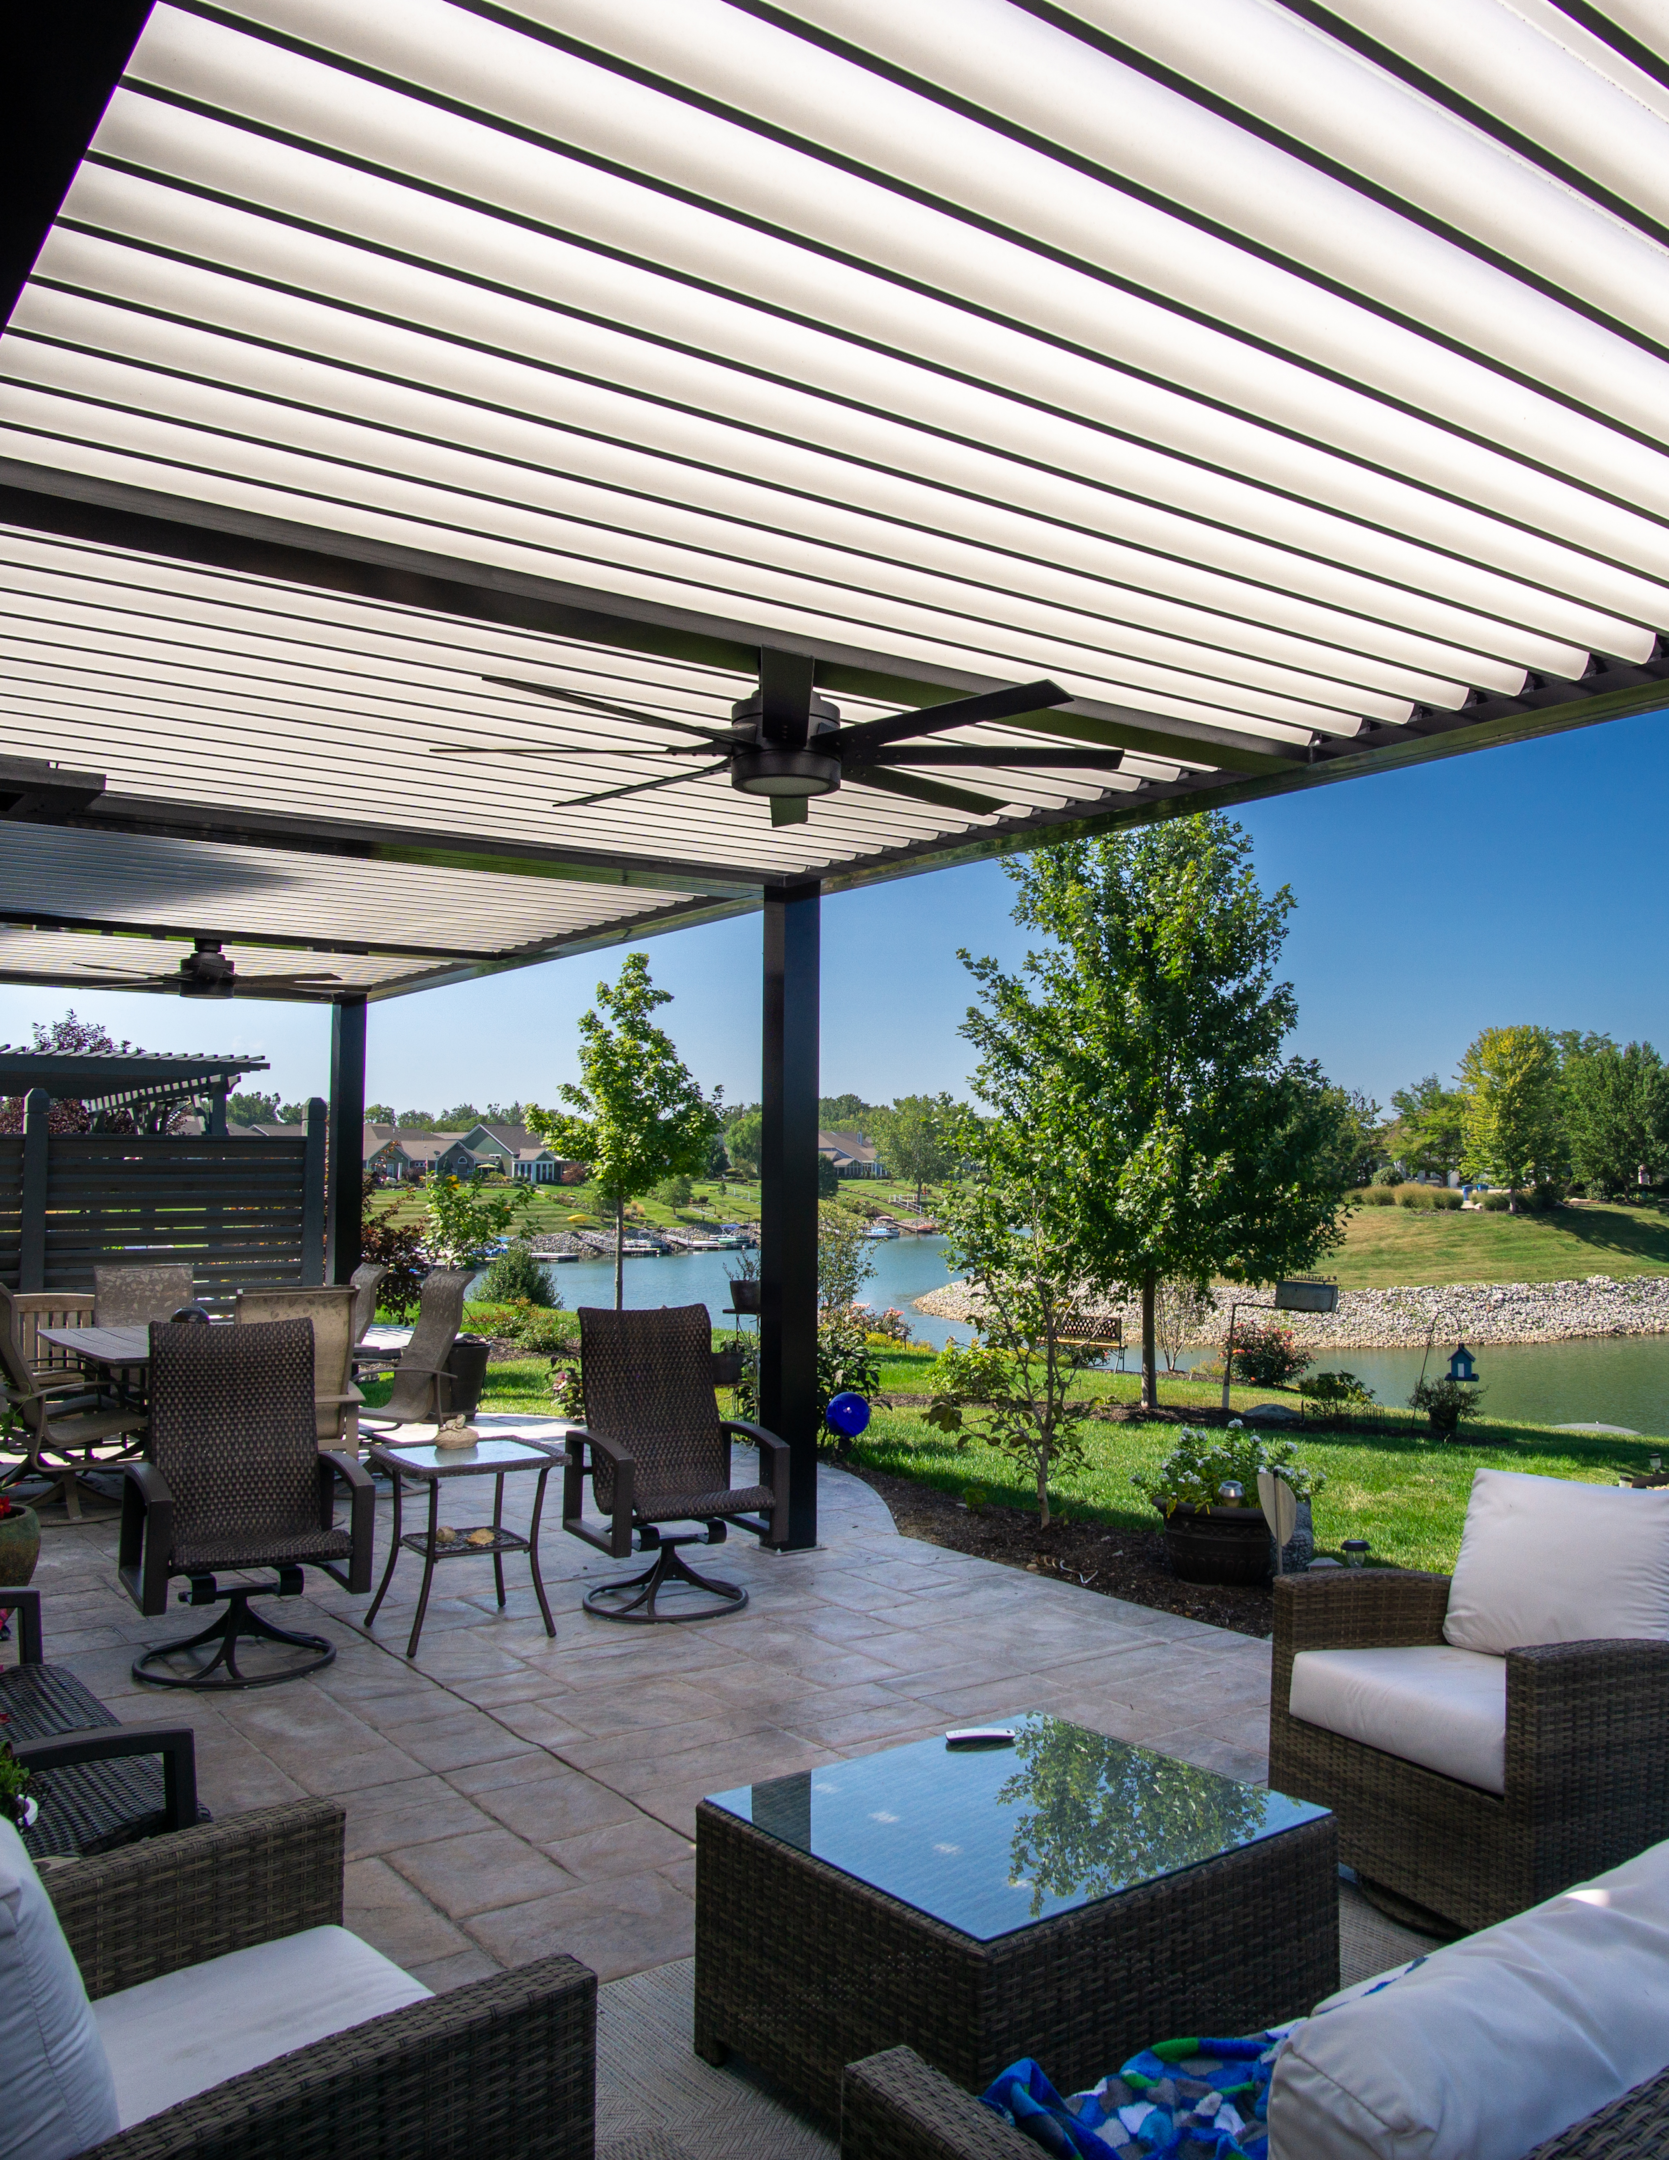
pixel 503 2066
pixel 895 2107
pixel 1587 1757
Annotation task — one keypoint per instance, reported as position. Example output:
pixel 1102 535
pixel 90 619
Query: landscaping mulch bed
pixel 1114 1563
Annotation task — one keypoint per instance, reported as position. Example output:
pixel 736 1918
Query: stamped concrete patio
pixel 508 1795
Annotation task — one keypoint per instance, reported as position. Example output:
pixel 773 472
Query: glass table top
pixel 990 1840
pixel 507 1453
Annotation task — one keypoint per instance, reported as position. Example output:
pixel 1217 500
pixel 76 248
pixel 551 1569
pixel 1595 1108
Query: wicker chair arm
pixel 179 1900
pixel 504 2066
pixel 618 1543
pixel 14 1598
pixel 145 1542
pixel 362 1515
pixel 1636 2127
pixel 1359 1609
pixel 896 2107
pixel 1576 1711
pixel 775 1459
pixel 176 1744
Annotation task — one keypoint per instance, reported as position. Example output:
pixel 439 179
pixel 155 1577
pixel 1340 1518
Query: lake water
pixel 905 1268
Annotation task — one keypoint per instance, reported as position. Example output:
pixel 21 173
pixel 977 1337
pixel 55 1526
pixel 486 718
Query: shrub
pixel 674 1192
pixel 1447 1403
pixel 516 1274
pixel 1496 1202
pixel 1200 1462
pixel 1377 1196
pixel 1335 1390
pixel 538 1328
pixel 890 1326
pixel 1445 1200
pixel 398 1248
pixel 1268 1355
pixel 1415 1196
pixel 1390 1175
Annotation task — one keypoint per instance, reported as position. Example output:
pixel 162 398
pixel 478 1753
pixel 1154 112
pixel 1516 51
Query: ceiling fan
pixel 207 973
pixel 788 745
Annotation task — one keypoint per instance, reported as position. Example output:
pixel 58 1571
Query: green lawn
pixel 1420 1245
pixel 734 1200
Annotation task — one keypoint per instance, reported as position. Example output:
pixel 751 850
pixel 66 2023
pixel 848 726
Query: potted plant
pixel 1209 1539
pixel 20 1543
pixel 1446 1402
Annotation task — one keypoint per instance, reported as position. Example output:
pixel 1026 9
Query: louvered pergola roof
pixel 1288 383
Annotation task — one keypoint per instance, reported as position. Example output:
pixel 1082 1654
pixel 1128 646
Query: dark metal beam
pixel 62 65
pixel 344 1224
pixel 788 1195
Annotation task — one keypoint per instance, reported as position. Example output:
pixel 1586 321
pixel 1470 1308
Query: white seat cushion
pixel 170 2038
pixel 55 2091
pixel 1445 1709
pixel 1486 2047
pixel 1547 1560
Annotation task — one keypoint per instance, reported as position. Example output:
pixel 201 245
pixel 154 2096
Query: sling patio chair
pixel 236 1480
pixel 363 1282
pixel 134 1296
pixel 330 1311
pixel 66 1429
pixel 660 1453
pixel 422 1379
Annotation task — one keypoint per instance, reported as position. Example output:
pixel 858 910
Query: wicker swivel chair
pixel 330 1313
pixel 660 1453
pixel 67 1429
pixel 422 1390
pixel 236 1480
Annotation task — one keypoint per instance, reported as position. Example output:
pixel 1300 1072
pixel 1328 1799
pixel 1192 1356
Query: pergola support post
pixel 788 1195
pixel 31 1252
pixel 344 1231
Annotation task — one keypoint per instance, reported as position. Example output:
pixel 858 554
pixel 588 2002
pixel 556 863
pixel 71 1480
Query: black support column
pixel 788 1194
pixel 343 1208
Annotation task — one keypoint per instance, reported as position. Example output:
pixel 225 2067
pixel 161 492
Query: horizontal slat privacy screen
pixel 1290 384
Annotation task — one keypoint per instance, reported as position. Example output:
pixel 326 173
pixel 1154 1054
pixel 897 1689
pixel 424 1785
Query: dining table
pixel 110 1346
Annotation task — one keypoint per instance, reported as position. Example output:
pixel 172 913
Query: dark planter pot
pixel 1219 1545
pixel 744 1296
pixel 467 1370
pixel 20 1546
pixel 728 1367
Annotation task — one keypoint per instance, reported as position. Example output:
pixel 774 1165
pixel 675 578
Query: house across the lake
pixel 851 1154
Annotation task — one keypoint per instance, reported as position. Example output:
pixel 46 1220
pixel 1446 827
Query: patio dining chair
pixel 66 1429
pixel 134 1296
pixel 236 1481
pixel 330 1312
pixel 364 1281
pixel 659 1453
pixel 422 1378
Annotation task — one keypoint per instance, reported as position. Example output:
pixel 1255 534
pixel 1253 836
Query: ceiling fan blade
pixel 1005 704
pixel 639 787
pixel 1151 742
pixel 662 750
pixel 582 701
pixel 1002 757
pixel 928 791
pixel 244 982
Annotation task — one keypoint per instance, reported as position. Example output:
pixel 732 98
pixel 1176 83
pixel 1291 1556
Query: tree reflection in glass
pixel 1101 1814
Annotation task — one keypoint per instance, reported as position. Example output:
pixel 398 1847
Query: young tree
pixel 463 1219
pixel 1509 1079
pixel 843 1113
pixel 1616 1112
pixel 1135 1066
pixel 376 1113
pixel 828 1179
pixel 915 1138
pixel 416 1121
pixel 743 1139
pixel 637 1116
pixel 1428 1134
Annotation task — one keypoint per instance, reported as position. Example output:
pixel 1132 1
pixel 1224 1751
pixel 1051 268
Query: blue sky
pixel 1524 884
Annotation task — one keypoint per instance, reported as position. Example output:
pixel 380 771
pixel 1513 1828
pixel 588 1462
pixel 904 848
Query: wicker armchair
pixel 1587 1757
pixel 236 1480
pixel 895 2107
pixel 67 1429
pixel 503 2066
pixel 422 1379
pixel 659 1453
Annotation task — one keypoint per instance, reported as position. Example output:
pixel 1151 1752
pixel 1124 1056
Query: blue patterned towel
pixel 1194 2099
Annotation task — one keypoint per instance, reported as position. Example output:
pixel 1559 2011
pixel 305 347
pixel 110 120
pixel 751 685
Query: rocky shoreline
pixel 1399 1318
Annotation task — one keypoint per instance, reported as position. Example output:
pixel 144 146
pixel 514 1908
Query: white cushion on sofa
pixel 172 2037
pixel 1492 2044
pixel 1445 1709
pixel 55 2090
pixel 1548 1560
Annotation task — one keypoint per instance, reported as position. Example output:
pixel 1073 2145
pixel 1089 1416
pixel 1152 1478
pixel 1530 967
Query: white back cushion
pixel 1492 2044
pixel 1549 1560
pixel 1445 1709
pixel 56 2095
pixel 175 2036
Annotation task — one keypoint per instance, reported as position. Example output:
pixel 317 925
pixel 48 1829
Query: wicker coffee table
pixel 1070 1897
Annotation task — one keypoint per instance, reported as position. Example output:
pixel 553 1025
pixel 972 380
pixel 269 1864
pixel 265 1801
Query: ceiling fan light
pixel 772 771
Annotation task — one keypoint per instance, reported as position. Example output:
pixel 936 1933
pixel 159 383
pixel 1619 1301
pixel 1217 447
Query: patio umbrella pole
pixel 788 1193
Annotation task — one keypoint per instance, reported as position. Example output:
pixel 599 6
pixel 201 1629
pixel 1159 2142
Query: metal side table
pixel 432 1466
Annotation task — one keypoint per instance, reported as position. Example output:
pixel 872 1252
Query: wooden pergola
pixel 457 461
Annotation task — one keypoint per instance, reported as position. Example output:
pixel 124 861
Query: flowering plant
pixel 1201 1462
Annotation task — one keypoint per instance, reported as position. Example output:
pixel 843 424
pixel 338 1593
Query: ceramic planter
pixel 728 1366
pixel 1219 1544
pixel 744 1294
pixel 20 1546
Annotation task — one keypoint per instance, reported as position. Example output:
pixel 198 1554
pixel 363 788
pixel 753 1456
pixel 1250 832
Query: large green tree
pixel 916 1138
pixel 637 1115
pixel 1429 1133
pixel 1616 1112
pixel 1512 1113
pixel 1135 1064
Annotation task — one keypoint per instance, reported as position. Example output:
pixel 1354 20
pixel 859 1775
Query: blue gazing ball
pixel 847 1413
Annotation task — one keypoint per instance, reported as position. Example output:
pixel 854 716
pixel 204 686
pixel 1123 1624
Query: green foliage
pixel 1511 1113
pixel 675 1192
pixel 1357 1141
pixel 460 1117
pixel 843 1113
pixel 15 1803
pixel 1429 1132
pixel 1135 1067
pixel 1335 1391
pixel 1202 1461
pixel 463 1218
pixel 1495 1203
pixel 1447 1403
pixel 516 1273
pixel 249 1106
pixel 846 1358
pixel 1377 1196
pixel 416 1121
pixel 917 1138
pixel 828 1183
pixel 397 1247
pixel 376 1113
pixel 1616 1113
pixel 743 1140
pixel 1266 1353
pixel 292 1113
pixel 843 1262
